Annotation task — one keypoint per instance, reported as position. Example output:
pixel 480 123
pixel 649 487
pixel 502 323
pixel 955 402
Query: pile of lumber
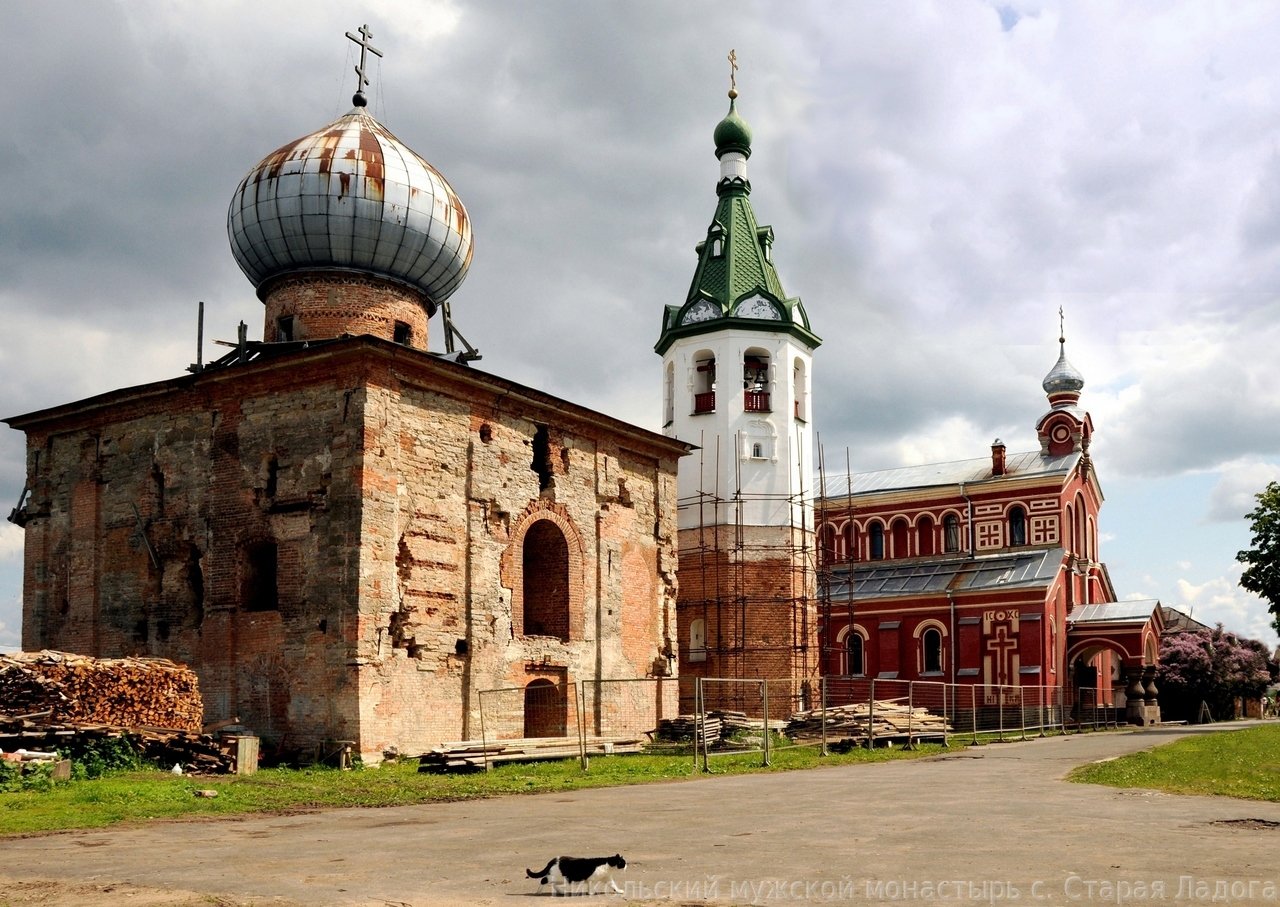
pixel 470 755
pixel 732 722
pixel 881 720
pixel 122 692
pixel 194 751
pixel 681 729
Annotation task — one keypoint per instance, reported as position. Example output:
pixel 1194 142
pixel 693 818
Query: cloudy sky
pixel 941 177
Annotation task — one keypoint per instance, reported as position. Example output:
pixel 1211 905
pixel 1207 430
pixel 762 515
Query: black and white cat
pixel 579 875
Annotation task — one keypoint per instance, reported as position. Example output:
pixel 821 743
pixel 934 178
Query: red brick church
pixel 985 572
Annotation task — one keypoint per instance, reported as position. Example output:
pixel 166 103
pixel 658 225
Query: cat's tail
pixel 545 869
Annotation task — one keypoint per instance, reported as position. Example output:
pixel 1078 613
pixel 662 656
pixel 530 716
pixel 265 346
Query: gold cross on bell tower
pixel 733 74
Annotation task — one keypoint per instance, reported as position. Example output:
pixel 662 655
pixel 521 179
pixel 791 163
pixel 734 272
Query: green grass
pixel 1244 763
pixel 146 795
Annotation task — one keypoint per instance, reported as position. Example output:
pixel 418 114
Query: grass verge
pixel 144 795
pixel 1243 763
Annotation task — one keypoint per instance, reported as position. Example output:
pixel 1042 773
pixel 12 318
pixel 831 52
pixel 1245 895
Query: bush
pixel 95 757
pixel 14 776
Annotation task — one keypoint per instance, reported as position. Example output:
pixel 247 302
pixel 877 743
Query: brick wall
pixel 324 306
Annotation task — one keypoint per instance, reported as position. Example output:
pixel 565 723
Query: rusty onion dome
pixel 351 196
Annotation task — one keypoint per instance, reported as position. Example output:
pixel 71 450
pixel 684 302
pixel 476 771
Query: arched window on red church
pixel 1017 526
pixel 951 531
pixel 931 644
pixel 924 536
pixel 900 536
pixel 855 655
pixel 877 541
pixel 827 540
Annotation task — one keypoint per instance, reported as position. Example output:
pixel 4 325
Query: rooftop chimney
pixel 997 458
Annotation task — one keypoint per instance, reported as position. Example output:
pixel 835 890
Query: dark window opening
pixel 932 651
pixel 140 631
pixel 877 542
pixel 162 630
pixel 260 592
pixel 403 333
pixel 854 654
pixel 284 328
pixel 1017 527
pixel 273 476
pixel 460 647
pixel 542 458
pixel 486 433
pixel 546 581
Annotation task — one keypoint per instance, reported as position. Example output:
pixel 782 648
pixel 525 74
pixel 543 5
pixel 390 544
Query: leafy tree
pixel 1262 576
pixel 1212 666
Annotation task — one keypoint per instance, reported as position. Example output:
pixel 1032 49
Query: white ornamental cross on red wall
pixel 1000 660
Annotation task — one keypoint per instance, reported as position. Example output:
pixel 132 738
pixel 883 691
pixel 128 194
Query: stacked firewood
pixel 122 692
pixel 165 746
pixel 882 719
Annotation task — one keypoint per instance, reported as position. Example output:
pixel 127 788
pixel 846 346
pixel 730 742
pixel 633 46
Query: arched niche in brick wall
pixel 543 568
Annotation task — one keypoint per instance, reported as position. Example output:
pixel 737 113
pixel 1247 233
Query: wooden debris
pixel 166 746
pixel 879 720
pixel 470 755
pixel 123 692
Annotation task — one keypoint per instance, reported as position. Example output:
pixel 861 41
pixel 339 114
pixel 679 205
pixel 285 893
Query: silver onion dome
pixel 1063 377
pixel 351 196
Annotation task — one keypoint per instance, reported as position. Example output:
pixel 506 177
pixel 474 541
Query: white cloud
pixel 11 541
pixel 1233 497
pixel 1221 600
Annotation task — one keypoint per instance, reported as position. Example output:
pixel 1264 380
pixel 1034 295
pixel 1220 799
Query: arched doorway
pixel 545 709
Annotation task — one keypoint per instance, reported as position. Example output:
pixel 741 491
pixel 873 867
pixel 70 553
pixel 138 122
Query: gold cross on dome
pixel 364 40
pixel 733 72
pixel 1062 326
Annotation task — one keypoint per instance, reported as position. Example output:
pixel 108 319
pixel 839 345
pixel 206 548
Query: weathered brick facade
pixel 347 541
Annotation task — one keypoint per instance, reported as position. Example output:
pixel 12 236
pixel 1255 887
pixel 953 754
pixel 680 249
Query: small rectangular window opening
pixel 403 333
pixel 284 328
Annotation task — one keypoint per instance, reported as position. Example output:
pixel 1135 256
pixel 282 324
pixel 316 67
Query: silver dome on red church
pixel 350 197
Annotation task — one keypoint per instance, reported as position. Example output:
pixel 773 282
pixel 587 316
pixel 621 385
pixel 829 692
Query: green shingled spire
pixel 735 283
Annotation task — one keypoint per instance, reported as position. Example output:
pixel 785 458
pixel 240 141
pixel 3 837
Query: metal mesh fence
pixel 632 715
pixel 547 720
pixel 1095 707
pixel 538 721
pixel 733 714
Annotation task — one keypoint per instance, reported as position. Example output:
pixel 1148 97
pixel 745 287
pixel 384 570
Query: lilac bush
pixel 1212 666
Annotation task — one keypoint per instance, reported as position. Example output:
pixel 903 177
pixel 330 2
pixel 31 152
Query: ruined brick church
pixel 345 535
